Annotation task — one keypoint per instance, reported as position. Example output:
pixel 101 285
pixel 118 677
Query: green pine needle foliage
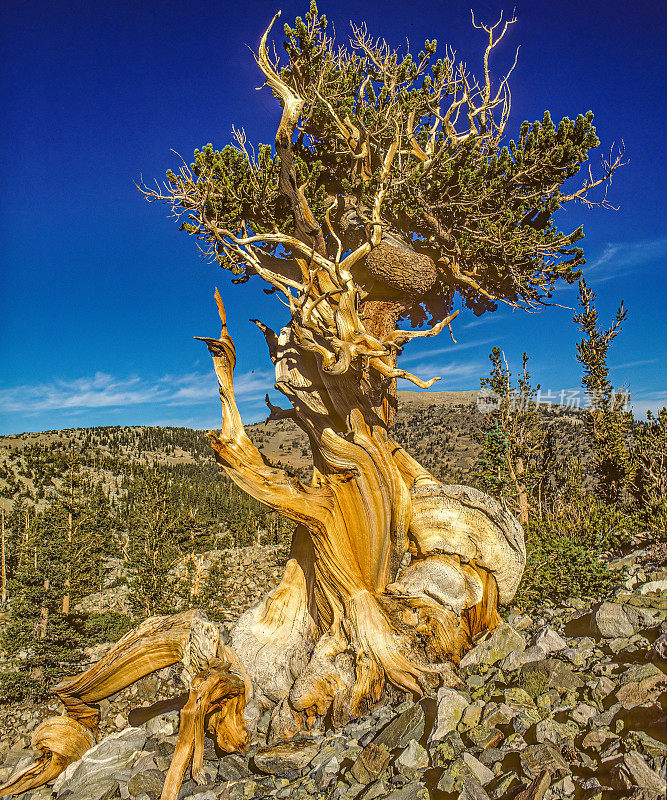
pixel 483 207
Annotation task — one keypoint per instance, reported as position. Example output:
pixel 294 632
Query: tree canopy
pixel 407 153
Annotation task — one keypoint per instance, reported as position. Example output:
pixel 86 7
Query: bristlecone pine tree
pixel 509 464
pixel 608 423
pixel 389 193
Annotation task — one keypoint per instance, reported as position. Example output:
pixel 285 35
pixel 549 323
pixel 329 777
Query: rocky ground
pixel 568 702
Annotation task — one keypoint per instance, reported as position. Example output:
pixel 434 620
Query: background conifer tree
pixel 608 423
pixel 510 461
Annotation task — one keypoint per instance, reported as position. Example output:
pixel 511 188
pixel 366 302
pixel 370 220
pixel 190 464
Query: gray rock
pixel 414 791
pixel 491 757
pixel 447 750
pixel 105 790
pixel 518 658
pixel 516 697
pixel 451 705
pixel 498 714
pixel 144 762
pixel 596 739
pixel 164 724
pixel 376 789
pixel 326 773
pixel 455 775
pixel 111 759
pixel 484 736
pixel 564 787
pixel 406 726
pixel 149 782
pixel 44 793
pixel 642 685
pixel 548 730
pixel 659 647
pixel 232 768
pixel 371 763
pixel 336 746
pixel 576 657
pixel 482 773
pixel 538 757
pixel 653 587
pixel 605 719
pixel 583 713
pixel 525 720
pixel 642 618
pixel 472 715
pixel 514 743
pixel 498 646
pixel 550 673
pixel 611 622
pixel 548 640
pixel 520 622
pixel 547 701
pixel 475 681
pixel 200 793
pixel 294 754
pixel 634 771
pixel 472 790
pixel 651 747
pixel 601 688
pixel 503 784
pixel 413 759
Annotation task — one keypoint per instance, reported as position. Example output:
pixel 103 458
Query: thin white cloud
pixel 448 372
pixel 106 391
pixel 608 253
pixel 622 258
pixel 452 350
pixel 629 364
pixel 484 319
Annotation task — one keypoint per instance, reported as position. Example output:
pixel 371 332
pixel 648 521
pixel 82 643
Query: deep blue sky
pixel 100 295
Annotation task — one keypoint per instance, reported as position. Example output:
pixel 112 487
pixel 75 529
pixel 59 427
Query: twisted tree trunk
pixel 340 623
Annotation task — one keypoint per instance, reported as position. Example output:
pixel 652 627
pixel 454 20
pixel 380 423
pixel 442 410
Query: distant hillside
pixel 438 428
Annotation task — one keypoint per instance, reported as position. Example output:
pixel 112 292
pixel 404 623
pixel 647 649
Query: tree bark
pixel 340 624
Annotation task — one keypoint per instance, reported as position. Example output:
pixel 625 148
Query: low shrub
pixel 567 557
pixel 17 687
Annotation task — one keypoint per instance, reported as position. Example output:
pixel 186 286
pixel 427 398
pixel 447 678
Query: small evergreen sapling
pixel 608 424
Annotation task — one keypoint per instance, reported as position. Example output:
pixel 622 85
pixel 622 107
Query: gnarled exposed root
pixel 329 670
pixel 61 740
pixel 156 643
pixel 216 703
pixel 468 556
pixel 275 637
pixel 464 522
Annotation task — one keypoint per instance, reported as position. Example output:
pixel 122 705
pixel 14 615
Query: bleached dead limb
pixel 158 642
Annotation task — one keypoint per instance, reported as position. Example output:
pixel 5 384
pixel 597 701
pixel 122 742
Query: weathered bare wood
pixel 340 624
pixel 156 643
pixel 61 741
pixel 216 701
